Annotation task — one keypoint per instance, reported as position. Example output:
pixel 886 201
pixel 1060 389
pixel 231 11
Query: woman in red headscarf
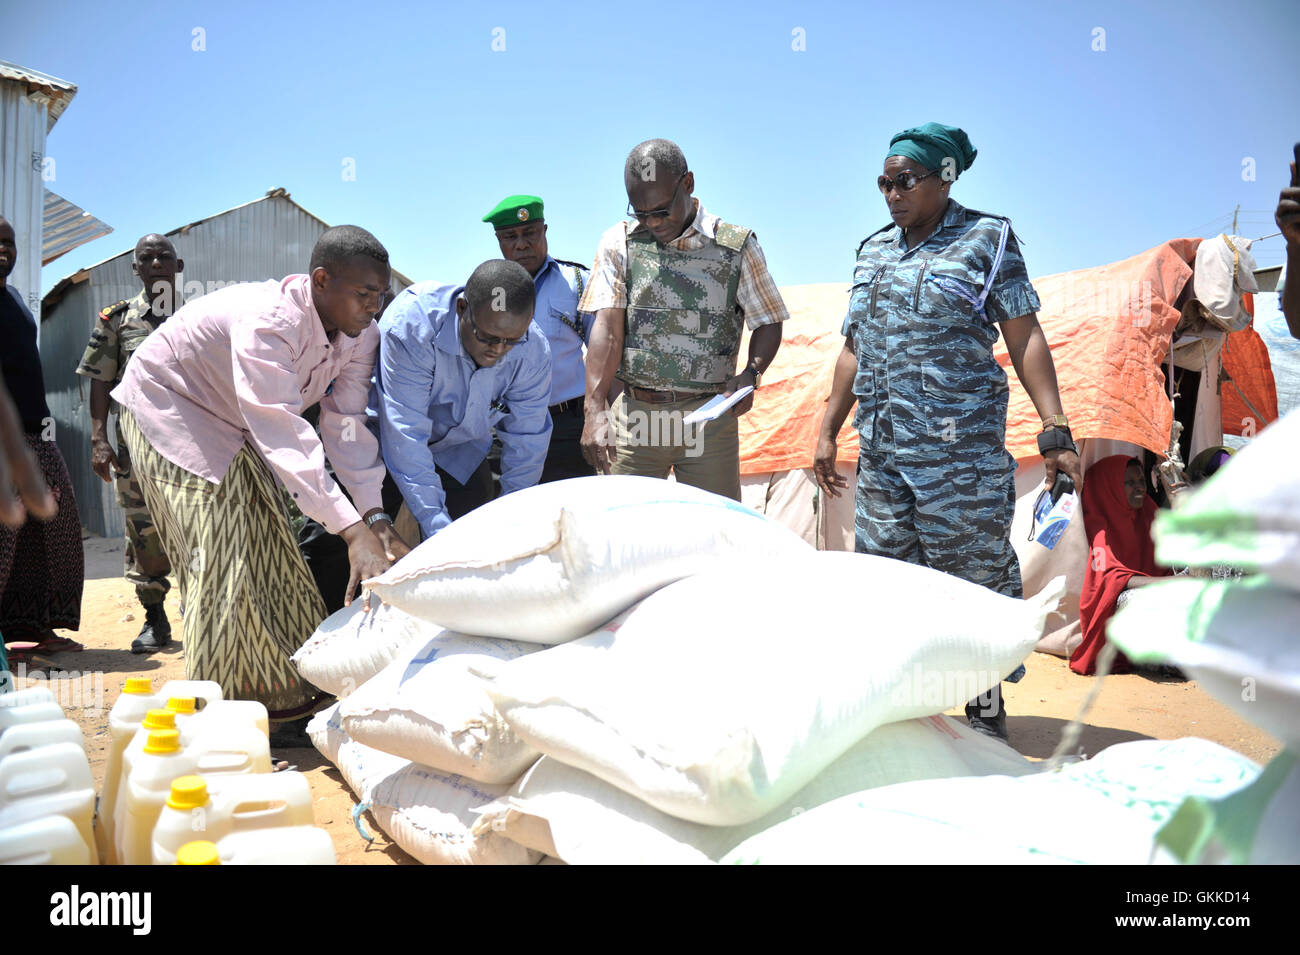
pixel 1117 513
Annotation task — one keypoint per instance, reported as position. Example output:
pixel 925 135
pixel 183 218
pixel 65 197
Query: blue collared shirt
pixel 436 408
pixel 556 314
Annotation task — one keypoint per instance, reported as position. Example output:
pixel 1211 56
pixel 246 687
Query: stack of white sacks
pixel 1236 637
pixel 627 670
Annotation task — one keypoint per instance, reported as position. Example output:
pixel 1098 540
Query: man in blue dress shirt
pixel 521 233
pixel 455 362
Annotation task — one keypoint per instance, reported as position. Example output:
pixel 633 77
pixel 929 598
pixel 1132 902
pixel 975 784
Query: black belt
pixel 564 407
pixel 664 397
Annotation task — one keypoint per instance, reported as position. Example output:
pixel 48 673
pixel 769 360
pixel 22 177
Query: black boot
pixel 987 715
pixel 156 634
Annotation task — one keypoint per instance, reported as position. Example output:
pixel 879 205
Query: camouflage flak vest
pixel 683 323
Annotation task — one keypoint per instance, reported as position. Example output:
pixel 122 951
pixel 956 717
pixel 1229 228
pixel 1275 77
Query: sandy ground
pixel 1129 707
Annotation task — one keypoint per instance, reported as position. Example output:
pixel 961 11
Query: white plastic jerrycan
pixel 123 720
pixel 218 713
pixel 298 845
pixel 219 751
pixel 33 705
pixel 258 802
pixel 27 736
pixel 53 780
pixel 155 719
pixel 49 840
pixel 33 694
pixel 129 710
pixel 144 790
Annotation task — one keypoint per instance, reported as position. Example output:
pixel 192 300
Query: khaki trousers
pixel 651 441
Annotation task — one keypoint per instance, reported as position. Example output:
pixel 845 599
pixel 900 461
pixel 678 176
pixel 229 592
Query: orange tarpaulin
pixel 780 432
pixel 1245 359
pixel 1108 329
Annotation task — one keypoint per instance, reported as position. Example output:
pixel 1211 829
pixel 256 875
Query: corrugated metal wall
pixel 23 125
pixel 270 238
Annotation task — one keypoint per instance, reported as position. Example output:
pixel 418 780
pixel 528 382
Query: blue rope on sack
pixel 357 810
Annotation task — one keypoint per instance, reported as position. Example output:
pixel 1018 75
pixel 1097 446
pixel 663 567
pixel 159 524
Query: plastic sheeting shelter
pixel 1109 329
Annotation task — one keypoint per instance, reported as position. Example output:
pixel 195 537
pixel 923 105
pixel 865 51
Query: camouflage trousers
pixel 954 516
pixel 146 562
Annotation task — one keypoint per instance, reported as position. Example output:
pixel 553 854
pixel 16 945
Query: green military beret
pixel 515 210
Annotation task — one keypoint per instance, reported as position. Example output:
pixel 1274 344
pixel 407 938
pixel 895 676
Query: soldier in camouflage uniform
pixel 670 290
pixel 119 331
pixel 936 485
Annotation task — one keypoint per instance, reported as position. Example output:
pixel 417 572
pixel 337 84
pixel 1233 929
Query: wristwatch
pixel 381 516
pixel 753 370
pixel 1056 421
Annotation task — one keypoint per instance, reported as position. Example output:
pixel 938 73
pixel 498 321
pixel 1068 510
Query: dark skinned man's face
pixel 524 243
pixel 351 298
pixel 157 266
pixel 8 249
pixel 658 195
pixel 492 325
pixel 925 201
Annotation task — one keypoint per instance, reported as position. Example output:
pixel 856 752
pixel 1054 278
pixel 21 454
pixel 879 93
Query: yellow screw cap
pixel 181 704
pixel 159 720
pixel 198 853
pixel 138 684
pixel 188 792
pixel 163 741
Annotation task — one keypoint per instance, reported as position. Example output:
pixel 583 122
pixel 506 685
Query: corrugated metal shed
pixel 30 103
pixel 267 238
pixel 55 94
pixel 66 226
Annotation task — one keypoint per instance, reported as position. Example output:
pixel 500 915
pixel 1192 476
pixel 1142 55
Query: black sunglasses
pixel 656 213
pixel 905 181
pixel 486 340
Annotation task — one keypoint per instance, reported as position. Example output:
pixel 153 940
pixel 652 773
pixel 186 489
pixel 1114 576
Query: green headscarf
pixel 932 143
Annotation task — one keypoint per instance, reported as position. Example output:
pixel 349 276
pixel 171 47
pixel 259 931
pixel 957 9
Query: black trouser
pixel 327 554
pixel 564 457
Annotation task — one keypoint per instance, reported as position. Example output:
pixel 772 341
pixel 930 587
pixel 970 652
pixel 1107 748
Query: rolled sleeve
pixel 404 386
pixel 267 391
pixel 349 444
pixel 1012 295
pixel 100 360
pixel 757 293
pixel 525 430
pixel 607 287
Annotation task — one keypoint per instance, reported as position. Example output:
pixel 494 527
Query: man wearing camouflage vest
pixel 670 289
pixel 119 330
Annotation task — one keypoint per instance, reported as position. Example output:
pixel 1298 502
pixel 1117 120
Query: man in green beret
pixel 521 234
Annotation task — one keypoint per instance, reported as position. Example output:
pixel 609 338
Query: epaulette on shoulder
pixel 576 265
pixel 114 310
pixel 730 236
pixel 872 236
pixel 994 215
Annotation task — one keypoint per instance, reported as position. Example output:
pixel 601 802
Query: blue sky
pixel 1095 154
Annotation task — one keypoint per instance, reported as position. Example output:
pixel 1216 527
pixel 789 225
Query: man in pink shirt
pixel 211 413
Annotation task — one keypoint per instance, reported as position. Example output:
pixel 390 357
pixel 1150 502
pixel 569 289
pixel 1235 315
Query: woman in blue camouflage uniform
pixel 930 292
